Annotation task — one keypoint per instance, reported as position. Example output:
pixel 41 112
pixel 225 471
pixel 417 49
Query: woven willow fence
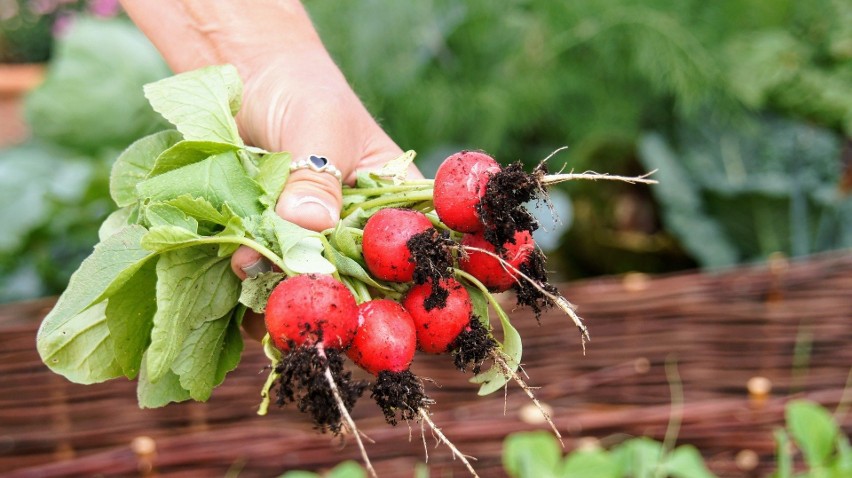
pixel 788 323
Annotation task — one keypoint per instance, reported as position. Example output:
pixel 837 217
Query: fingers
pixel 246 262
pixel 311 199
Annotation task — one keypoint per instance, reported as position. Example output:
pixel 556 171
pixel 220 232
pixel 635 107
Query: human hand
pixel 309 109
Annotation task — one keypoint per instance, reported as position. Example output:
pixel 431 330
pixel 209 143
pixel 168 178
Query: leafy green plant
pixel 597 76
pixel 537 454
pixel 54 188
pixel 816 434
pixel 346 469
pixel 28 27
pixel 735 195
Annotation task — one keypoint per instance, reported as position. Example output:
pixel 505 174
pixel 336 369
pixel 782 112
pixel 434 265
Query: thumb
pixel 311 199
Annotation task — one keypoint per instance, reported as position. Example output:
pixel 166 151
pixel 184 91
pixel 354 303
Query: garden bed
pixel 788 322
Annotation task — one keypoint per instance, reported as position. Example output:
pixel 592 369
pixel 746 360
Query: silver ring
pixel 317 163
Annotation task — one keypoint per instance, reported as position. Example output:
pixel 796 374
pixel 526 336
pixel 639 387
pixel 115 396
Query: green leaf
pixel 201 209
pixel 185 153
pixel 194 285
pixel 219 180
pixel 813 430
pixel 152 394
pixel 531 455
pixel 480 304
pixel 116 221
pixel 495 377
pixel 783 456
pixel 589 464
pixel 639 457
pixel 343 240
pixel 686 462
pixel 165 238
pixel 282 236
pixel 305 257
pixel 684 213
pixel 397 168
pixel 300 474
pixel 200 103
pixel 349 267
pixel 162 214
pixel 347 469
pixel 81 348
pixel 91 99
pixel 234 228
pixel 255 290
pixel 209 352
pixel 215 180
pixel 272 176
pixel 130 317
pixel 135 163
pixel 113 262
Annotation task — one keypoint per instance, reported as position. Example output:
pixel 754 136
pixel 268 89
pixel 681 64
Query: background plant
pixel 28 27
pixel 745 105
pixel 54 188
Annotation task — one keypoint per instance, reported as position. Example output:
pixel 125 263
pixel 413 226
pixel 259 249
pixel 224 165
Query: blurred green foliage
pixel 54 188
pixel 28 27
pixel 745 105
pixel 605 77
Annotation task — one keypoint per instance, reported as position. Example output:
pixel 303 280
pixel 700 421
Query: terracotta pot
pixel 16 80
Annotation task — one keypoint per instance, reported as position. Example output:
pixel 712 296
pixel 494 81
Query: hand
pixel 309 110
pixel 295 99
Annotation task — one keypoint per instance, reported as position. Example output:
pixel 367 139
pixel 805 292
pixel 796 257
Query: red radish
pixel 487 268
pixel 438 327
pixel 459 186
pixel 303 308
pixel 385 339
pixel 384 245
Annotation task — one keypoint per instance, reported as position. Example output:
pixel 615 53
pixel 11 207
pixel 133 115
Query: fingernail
pixel 257 267
pixel 309 206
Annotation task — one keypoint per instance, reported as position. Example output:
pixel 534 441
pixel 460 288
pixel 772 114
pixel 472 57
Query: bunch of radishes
pixel 427 246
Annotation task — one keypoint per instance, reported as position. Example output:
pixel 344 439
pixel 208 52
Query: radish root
pixel 347 418
pixel 556 299
pixel 424 415
pixel 508 370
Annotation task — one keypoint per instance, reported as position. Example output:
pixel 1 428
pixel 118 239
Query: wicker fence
pixel 788 322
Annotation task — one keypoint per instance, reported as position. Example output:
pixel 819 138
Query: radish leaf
pixel 157 394
pixel 162 214
pixel 184 153
pixel 272 175
pixel 305 257
pixel 194 285
pixel 200 103
pixel 219 179
pixel 113 262
pixel 200 359
pixel 135 163
pixel 255 290
pixel 130 315
pixel 81 349
pixel 494 378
